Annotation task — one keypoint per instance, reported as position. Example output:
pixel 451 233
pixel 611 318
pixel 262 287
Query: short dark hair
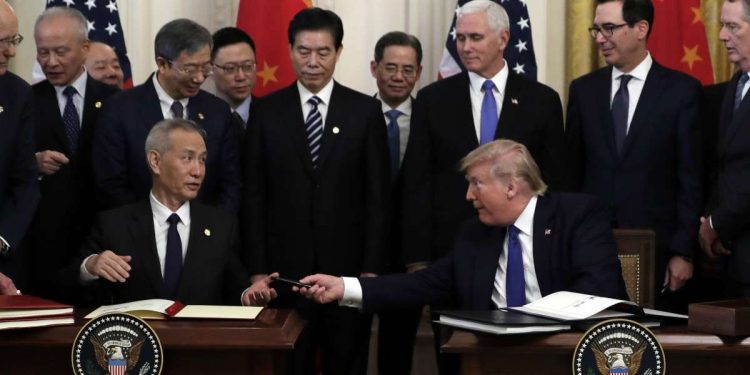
pixel 634 11
pixel 316 19
pixel 181 35
pixel 228 36
pixel 398 38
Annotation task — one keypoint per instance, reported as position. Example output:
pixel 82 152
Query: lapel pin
pixel 336 130
pixel 207 232
pixel 200 115
pixel 547 232
pixel 98 104
pixel 1 109
pixel 514 101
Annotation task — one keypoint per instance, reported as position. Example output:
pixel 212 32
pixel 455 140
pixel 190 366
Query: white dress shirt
pixel 165 101
pixel 477 95
pixel 244 109
pixel 403 122
pixel 325 96
pixel 635 85
pixel 80 85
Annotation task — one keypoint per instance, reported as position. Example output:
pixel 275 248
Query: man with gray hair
pixel 68 106
pixel 167 245
pixel 524 244
pixel 183 58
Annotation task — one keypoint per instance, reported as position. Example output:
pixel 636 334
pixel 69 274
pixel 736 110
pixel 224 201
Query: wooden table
pixel 686 352
pixel 190 346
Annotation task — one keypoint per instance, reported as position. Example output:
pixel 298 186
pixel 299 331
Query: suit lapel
pixel 508 122
pixel 485 267
pixel 49 100
pixel 464 115
pixel 544 233
pixel 652 89
pixel 91 104
pixel 142 234
pixel 735 120
pixel 603 92
pixel 150 105
pixel 197 244
pixel 727 106
pixel 334 119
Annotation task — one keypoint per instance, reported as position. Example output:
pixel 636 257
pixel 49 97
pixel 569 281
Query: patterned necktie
pixel 314 129
pixel 70 119
pixel 515 285
pixel 177 109
pixel 173 258
pixel 394 143
pixel 620 106
pixel 738 92
pixel 488 121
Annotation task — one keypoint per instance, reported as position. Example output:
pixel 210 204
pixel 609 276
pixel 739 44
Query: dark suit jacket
pixel 120 171
pixel 657 180
pixel 442 132
pixel 66 210
pixel 19 191
pixel 578 255
pixel 212 272
pixel 730 208
pixel 300 220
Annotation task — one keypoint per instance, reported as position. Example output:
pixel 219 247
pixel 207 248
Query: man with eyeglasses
pixel 19 191
pixel 183 59
pixel 233 57
pixel 724 231
pixel 396 67
pixel 633 130
pixel 68 105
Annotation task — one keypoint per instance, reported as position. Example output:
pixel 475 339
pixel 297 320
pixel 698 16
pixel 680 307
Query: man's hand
pixel 6 286
pixel 260 293
pixel 107 264
pixel 709 240
pixel 679 271
pixel 325 288
pixel 49 161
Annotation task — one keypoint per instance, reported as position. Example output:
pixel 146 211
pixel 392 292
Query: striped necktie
pixel 314 129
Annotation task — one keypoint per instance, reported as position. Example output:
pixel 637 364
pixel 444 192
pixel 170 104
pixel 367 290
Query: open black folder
pixel 500 322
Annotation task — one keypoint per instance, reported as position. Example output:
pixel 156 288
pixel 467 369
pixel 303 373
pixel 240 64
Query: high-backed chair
pixel 636 249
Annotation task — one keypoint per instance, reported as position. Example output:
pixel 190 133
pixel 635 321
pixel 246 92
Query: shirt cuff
pixel 5 242
pixel 711 223
pixel 352 293
pixel 84 274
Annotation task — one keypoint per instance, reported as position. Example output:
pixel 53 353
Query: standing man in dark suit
pixel 724 231
pixel 396 68
pixel 68 104
pixel 447 123
pixel 183 57
pixel 233 57
pixel 633 128
pixel 524 245
pixel 19 192
pixel 167 245
pixel 317 190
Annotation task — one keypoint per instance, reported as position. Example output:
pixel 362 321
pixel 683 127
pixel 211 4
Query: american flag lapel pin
pixel 514 101
pixel 547 232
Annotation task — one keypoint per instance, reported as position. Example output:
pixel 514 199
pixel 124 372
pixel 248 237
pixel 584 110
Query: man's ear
pixel 154 161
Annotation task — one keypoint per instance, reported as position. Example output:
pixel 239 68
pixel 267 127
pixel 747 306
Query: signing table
pixel 190 346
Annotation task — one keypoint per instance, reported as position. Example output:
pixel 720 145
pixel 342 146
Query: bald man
pixel 103 65
pixel 19 192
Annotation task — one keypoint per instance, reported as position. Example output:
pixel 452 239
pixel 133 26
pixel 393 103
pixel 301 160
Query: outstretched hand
pixel 325 288
pixel 260 293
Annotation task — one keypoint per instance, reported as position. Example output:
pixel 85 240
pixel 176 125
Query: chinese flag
pixel 266 21
pixel 678 38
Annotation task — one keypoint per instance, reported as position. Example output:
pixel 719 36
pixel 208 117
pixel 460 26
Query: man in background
pixel 233 57
pixel 103 65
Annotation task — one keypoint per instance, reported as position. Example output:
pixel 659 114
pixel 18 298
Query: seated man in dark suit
pixel 183 58
pixel 524 245
pixel 167 246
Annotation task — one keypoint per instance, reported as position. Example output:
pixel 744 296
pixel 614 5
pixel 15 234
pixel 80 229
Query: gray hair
pixel 181 35
pixel 745 8
pixel 81 27
pixel 496 15
pixel 510 161
pixel 158 137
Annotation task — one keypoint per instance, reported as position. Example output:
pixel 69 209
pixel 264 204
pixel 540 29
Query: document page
pixel 146 309
pixel 572 306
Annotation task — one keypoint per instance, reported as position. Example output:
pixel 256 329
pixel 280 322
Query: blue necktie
pixel 488 121
pixel 738 91
pixel 70 119
pixel 515 286
pixel 173 258
pixel 620 106
pixel 177 109
pixel 314 129
pixel 394 143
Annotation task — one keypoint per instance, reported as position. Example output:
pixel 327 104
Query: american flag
pixel 104 26
pixel 520 51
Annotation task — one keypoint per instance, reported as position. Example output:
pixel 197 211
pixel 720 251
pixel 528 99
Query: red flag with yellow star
pixel 267 21
pixel 678 38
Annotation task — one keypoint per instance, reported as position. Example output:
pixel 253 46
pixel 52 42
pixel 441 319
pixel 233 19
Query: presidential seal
pixel 117 344
pixel 619 347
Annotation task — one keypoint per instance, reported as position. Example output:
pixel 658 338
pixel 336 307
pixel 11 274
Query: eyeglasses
pixel 14 40
pixel 407 71
pixel 192 69
pixel 231 69
pixel 607 30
